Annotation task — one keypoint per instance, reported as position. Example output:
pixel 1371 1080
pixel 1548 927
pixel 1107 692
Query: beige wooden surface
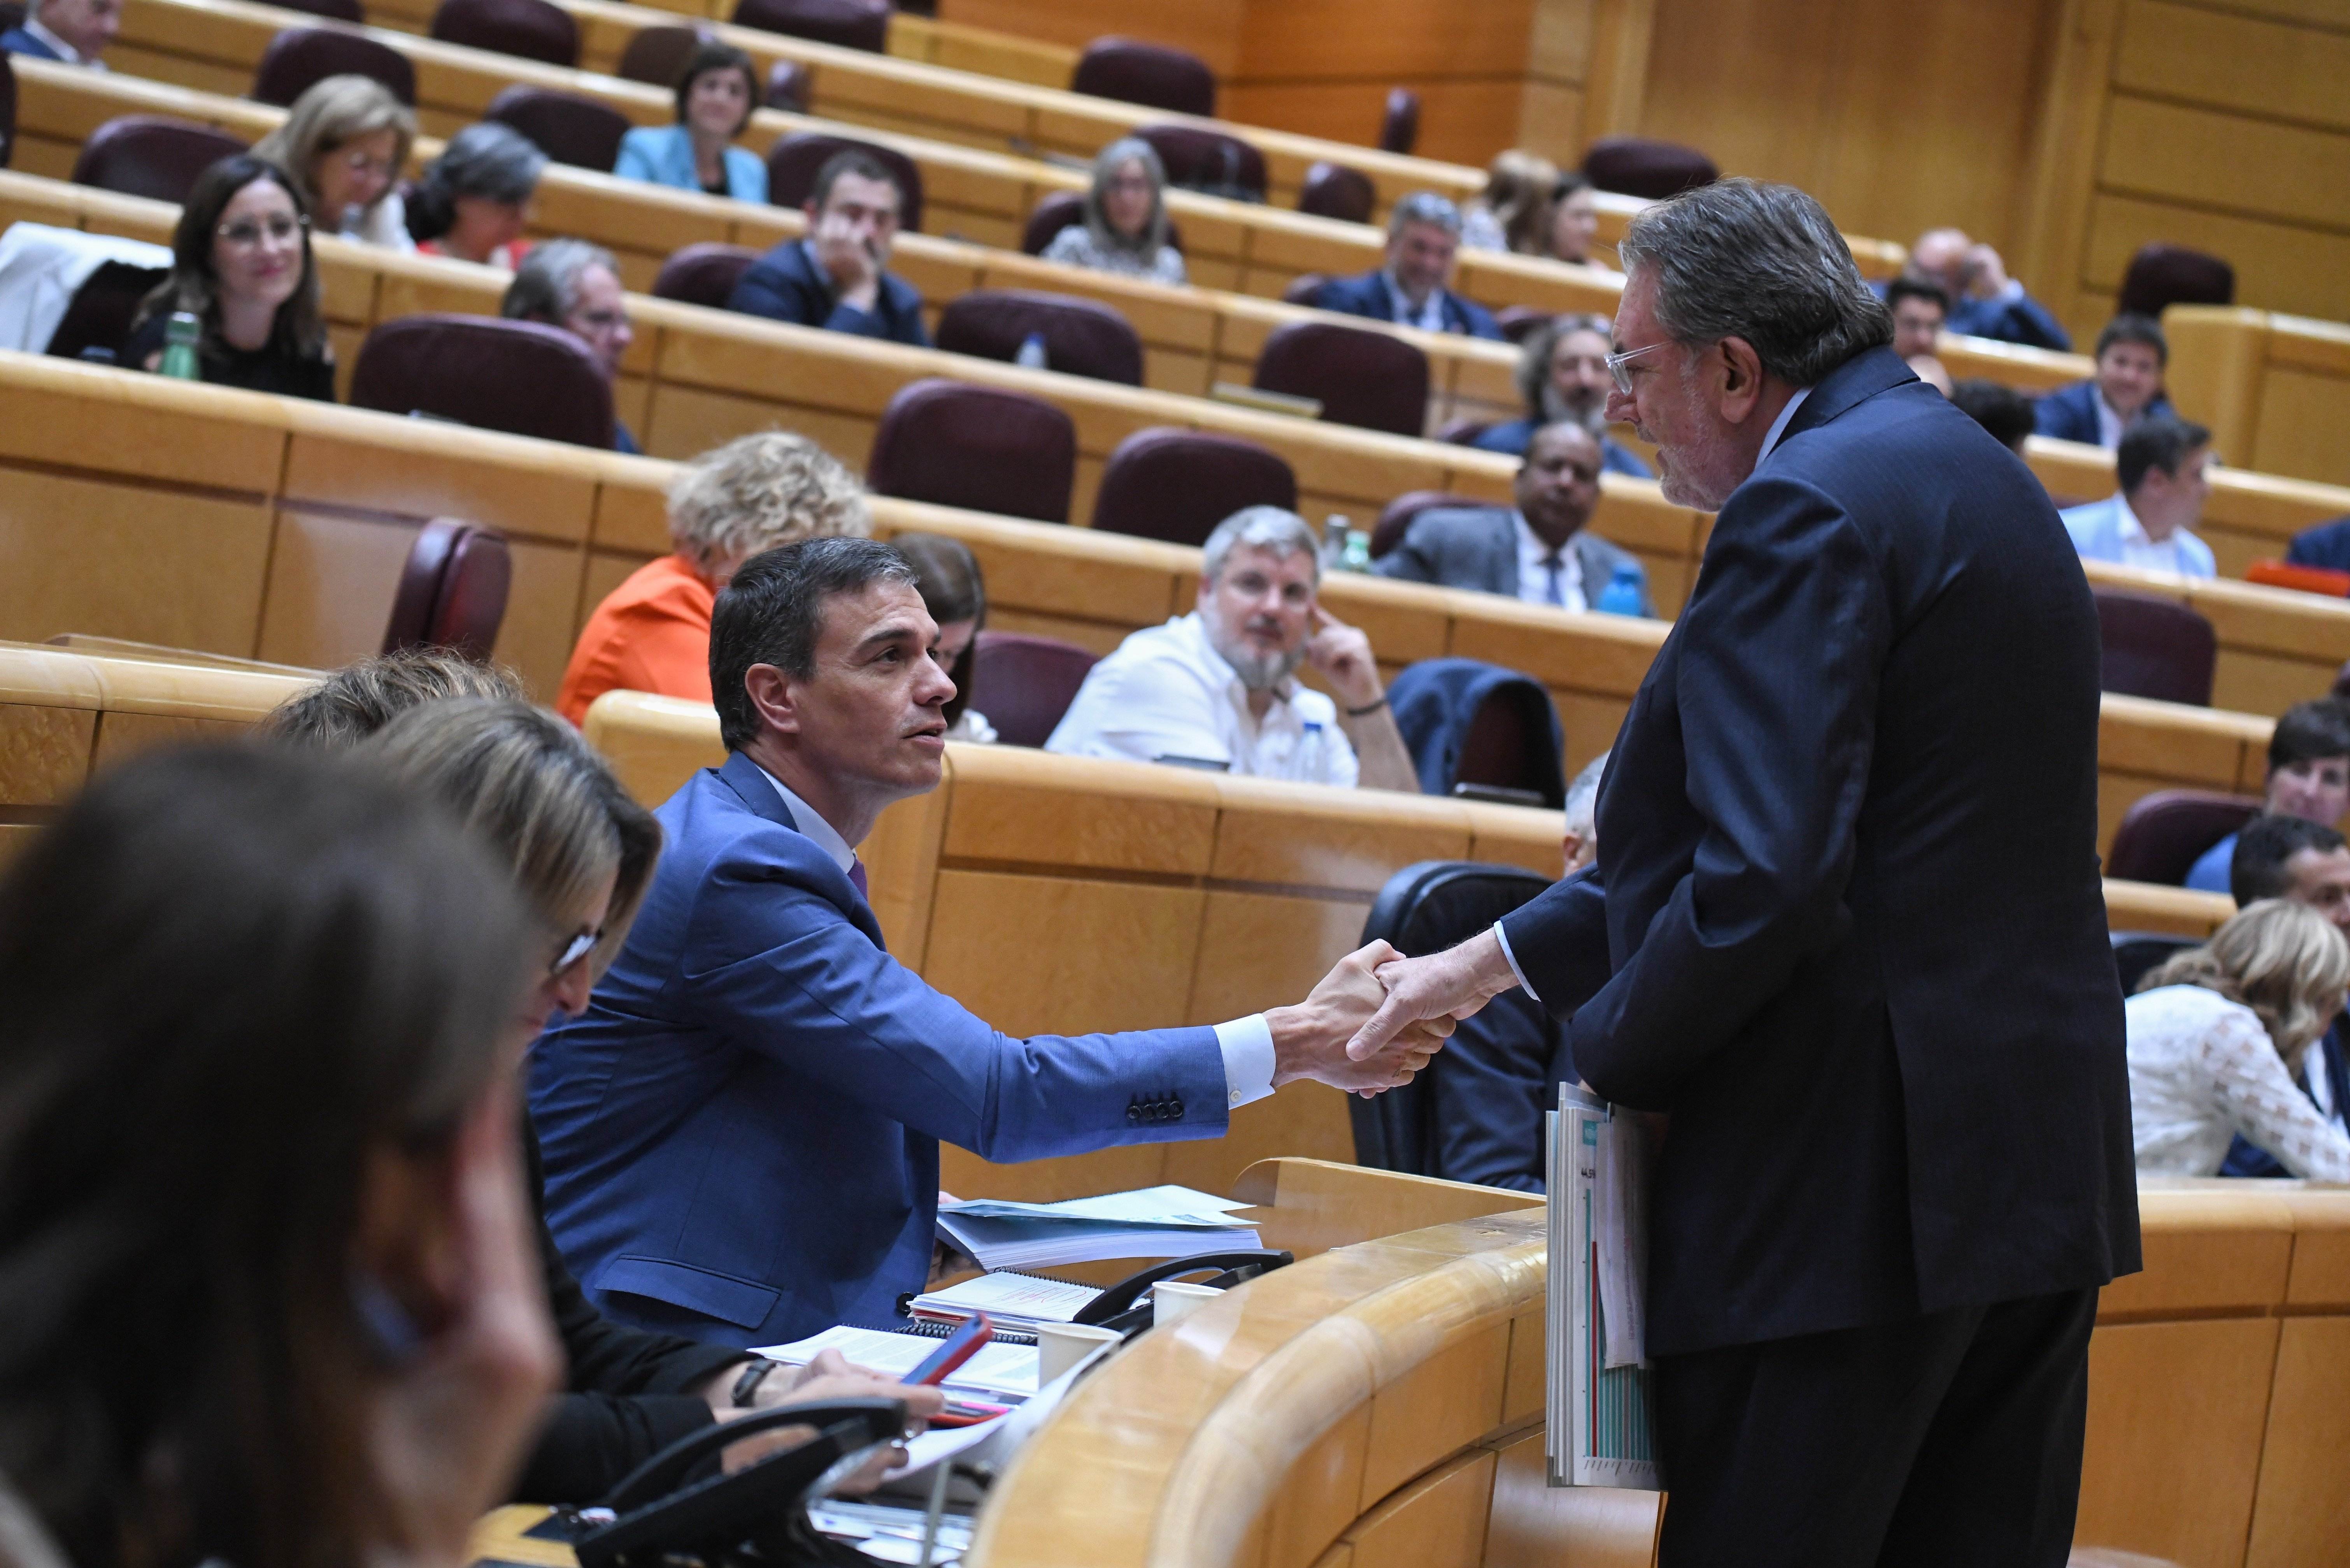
pixel 2274 389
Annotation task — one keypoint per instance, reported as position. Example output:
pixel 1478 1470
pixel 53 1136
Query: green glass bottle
pixel 179 339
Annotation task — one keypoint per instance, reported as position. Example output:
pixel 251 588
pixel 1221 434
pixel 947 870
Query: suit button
pixel 1175 1110
pixel 1134 1115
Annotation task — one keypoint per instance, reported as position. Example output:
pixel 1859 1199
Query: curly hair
pixel 758 492
pixel 2283 961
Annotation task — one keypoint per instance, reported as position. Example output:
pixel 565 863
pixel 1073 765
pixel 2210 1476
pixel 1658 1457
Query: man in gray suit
pixel 1538 550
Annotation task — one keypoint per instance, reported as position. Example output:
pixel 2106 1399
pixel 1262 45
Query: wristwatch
pixel 746 1387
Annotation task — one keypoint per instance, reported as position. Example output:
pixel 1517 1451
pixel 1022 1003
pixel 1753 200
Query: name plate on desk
pixel 1598 1431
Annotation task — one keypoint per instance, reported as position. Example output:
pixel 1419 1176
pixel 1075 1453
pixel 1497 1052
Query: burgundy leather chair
pixel 2162 276
pixel 1199 158
pixel 704 273
pixel 2341 681
pixel 1399 126
pixel 794 161
pixel 788 87
pixel 2156 647
pixel 1334 191
pixel 1511 744
pixel 1178 484
pixel 1395 518
pixel 151 156
pixel 1303 287
pixel 1082 337
pixel 1132 71
pixel 979 447
pixel 1637 166
pixel 519 376
pixel 1025 683
pixel 567 126
pixel 656 54
pixel 333 10
pixel 1049 217
pixel 103 309
pixel 1371 379
pixel 12 14
pixel 1520 322
pixel 1462 432
pixel 7 109
pixel 850 23
pixel 2163 834
pixel 299 59
pixel 527 29
pixel 452 591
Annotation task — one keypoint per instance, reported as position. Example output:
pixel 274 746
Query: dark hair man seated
pixel 2163 466
pixel 2005 412
pixel 2308 777
pixel 1413 289
pixel 2308 862
pixel 741 1129
pixel 1538 550
pixel 2132 355
pixel 572 284
pixel 832 277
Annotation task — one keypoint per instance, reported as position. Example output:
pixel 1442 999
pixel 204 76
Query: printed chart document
pixel 1599 1432
pixel 1150 1222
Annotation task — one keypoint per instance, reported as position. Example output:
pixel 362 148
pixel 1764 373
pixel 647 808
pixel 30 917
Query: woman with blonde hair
pixel 2215 1035
pixel 1513 213
pixel 1124 226
pixel 344 143
pixel 652 632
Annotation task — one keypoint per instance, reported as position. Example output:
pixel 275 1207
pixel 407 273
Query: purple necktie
pixel 857 879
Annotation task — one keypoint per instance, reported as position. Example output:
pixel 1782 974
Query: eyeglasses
pixel 359 162
pixel 245 232
pixel 577 947
pixel 1615 363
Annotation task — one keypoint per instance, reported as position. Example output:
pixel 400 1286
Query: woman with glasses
pixel 1124 226
pixel 345 142
pixel 716 93
pixel 241 266
pixel 474 199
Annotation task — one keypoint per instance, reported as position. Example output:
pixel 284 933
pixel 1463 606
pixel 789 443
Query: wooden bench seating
pixel 2274 389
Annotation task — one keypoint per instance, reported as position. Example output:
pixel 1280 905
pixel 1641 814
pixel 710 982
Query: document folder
pixel 1599 1432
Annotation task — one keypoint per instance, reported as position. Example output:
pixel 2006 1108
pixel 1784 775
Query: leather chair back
pixel 1511 741
pixel 299 58
pixel 1199 158
pixel 2156 647
pixel 850 23
pixel 1302 289
pixel 1334 191
pixel 979 447
pixel 452 591
pixel 1637 166
pixel 1082 337
pixel 520 376
pixel 794 161
pixel 1178 484
pixel 151 156
pixel 12 14
pixel 704 273
pixel 789 87
pixel 1057 211
pixel 1394 519
pixel 349 11
pixel 1400 125
pixel 2160 277
pixel 2138 954
pixel 103 309
pixel 567 126
pixel 2162 834
pixel 656 54
pixel 1520 322
pixel 1024 683
pixel 1370 379
pixel 1150 73
pixel 7 109
pixel 1462 432
pixel 528 29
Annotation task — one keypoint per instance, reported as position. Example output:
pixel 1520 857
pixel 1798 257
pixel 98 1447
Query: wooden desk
pixel 2274 389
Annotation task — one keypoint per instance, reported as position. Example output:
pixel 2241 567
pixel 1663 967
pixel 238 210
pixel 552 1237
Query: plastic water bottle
pixel 1032 352
pixel 1359 551
pixel 1622 594
pixel 1333 543
pixel 181 335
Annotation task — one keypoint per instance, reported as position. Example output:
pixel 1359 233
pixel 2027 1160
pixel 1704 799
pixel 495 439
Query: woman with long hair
pixel 1124 227
pixel 947 576
pixel 717 92
pixel 473 201
pixel 344 142
pixel 1513 211
pixel 1574 220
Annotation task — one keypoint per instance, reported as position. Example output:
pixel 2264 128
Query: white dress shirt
pixel 1535 569
pixel 2109 423
pixel 2201 1069
pixel 67 53
pixel 1167 692
pixel 1246 1043
pixel 2141 550
pixel 1430 317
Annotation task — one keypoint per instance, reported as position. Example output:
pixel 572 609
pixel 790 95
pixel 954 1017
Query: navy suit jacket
pixel 2023 319
pixel 785 285
pixel 1846 924
pixel 21 41
pixel 2327 544
pixel 1490 1088
pixel 742 1130
pixel 1367 295
pixel 2070 413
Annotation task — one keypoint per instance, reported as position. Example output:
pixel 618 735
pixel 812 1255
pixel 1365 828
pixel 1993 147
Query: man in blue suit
pixel 72 32
pixel 1984 301
pixel 1563 375
pixel 1423 237
pixel 1846 928
pixel 2132 355
pixel 742 1130
pixel 835 276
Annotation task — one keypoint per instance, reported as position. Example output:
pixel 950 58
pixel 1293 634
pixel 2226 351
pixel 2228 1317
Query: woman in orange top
pixel 652 632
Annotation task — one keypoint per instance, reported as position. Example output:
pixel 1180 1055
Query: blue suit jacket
pixel 663 154
pixel 2023 319
pixel 2246 1158
pixel 1489 1088
pixel 1615 457
pixel 742 1130
pixel 2070 413
pixel 1367 295
pixel 21 41
pixel 785 285
pixel 1846 924
pixel 2096 532
pixel 2327 544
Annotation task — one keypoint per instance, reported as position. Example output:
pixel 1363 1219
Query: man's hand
pixel 1986 274
pixel 1423 992
pixel 1309 1041
pixel 1343 654
pixel 826 1378
pixel 847 259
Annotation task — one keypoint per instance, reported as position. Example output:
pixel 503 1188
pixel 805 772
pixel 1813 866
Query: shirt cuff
pixel 2009 292
pixel 1503 937
pixel 1247 1046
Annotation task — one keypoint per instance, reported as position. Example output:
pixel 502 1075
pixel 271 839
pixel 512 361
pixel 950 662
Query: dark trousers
pixel 1948 1440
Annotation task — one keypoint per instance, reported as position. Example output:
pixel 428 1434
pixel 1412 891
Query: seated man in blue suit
pixel 72 32
pixel 2308 781
pixel 1563 375
pixel 1423 237
pixel 1539 550
pixel 2287 858
pixel 832 277
pixel 2149 522
pixel 2327 544
pixel 2132 354
pixel 741 1129
pixel 1984 301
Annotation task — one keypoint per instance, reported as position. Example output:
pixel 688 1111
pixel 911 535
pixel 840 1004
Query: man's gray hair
pixel 1583 798
pixel 1741 259
pixel 545 287
pixel 1264 529
pixel 1533 358
pixel 1424 207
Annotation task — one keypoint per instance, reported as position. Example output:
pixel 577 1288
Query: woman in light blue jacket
pixel 716 95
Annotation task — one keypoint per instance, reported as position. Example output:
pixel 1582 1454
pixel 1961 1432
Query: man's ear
pixel 808 210
pixel 775 697
pixel 1738 372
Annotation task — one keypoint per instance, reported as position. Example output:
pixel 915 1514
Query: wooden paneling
pixel 2301 1513
pixel 1438 1519
pixel 184 572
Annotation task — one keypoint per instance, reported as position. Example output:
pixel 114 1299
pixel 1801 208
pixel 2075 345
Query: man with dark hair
pixel 742 1130
pixel 1919 308
pixel 2163 466
pixel 2132 354
pixel 72 32
pixel 1846 920
pixel 1563 377
pixel 574 286
pixel 2005 412
pixel 1413 289
pixel 2308 778
pixel 832 277
pixel 2308 862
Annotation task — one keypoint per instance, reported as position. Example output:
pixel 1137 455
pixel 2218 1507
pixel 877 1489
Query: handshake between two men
pixel 1378 1018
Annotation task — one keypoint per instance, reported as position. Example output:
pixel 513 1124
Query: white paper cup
pixel 1171 1301
pixel 1061 1345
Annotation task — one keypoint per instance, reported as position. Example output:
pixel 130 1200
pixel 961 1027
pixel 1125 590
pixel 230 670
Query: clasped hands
pixel 1377 1018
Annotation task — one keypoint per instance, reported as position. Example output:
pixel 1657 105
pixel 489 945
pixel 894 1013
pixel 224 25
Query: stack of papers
pixel 1015 1301
pixel 1150 1222
pixel 998 1369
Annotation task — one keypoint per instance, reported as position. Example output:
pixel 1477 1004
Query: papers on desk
pixel 1016 1302
pixel 1150 1222
pixel 998 1369
pixel 1599 1432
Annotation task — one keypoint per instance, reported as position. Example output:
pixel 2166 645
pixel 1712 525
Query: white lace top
pixel 2202 1069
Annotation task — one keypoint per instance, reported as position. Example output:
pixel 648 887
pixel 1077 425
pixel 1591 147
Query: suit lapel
pixel 755 789
pixel 1505 552
pixel 1858 378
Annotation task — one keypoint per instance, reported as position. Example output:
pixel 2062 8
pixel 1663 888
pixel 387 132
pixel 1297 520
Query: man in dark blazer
pixel 71 32
pixel 834 277
pixel 1846 928
pixel 1538 550
pixel 2326 544
pixel 2132 355
pixel 1411 290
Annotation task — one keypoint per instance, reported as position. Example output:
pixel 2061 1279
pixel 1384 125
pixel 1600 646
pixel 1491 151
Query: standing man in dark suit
pixel 71 32
pixel 1411 290
pixel 834 277
pixel 1846 928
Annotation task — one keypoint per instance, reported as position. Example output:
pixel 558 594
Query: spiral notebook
pixel 1012 1300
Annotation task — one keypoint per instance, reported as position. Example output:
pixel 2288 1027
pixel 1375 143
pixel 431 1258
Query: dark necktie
pixel 1554 590
pixel 857 879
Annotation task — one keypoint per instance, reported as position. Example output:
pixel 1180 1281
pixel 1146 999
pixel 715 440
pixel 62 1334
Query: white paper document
pixel 996 1369
pixel 1010 1301
pixel 1150 1222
